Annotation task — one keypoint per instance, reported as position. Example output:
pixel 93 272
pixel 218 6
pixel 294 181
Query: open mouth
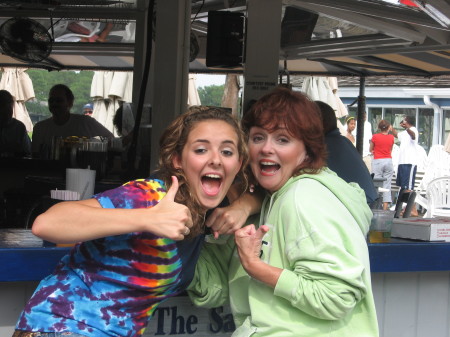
pixel 269 167
pixel 211 184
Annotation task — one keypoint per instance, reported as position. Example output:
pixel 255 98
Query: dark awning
pixel 350 37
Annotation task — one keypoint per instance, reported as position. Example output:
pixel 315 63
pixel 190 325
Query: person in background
pixel 14 139
pixel 63 123
pixel 303 269
pixel 381 147
pixel 343 158
pixel 408 155
pixel 139 242
pixel 351 125
pixel 123 122
pixel 366 155
pixel 88 109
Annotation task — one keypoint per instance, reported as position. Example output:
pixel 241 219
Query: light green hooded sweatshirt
pixel 318 226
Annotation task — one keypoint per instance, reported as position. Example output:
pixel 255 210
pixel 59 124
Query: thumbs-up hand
pixel 170 219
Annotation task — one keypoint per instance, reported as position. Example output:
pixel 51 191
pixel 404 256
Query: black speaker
pixel 225 39
pixel 297 26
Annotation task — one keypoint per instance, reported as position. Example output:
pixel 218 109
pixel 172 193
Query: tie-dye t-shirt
pixel 111 286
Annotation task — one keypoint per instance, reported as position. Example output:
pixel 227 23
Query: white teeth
pixel 268 163
pixel 213 176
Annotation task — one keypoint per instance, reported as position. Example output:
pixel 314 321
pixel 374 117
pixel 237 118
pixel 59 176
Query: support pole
pixel 262 50
pixel 360 116
pixel 169 80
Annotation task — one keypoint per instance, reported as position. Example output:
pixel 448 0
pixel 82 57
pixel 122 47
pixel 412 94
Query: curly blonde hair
pixel 172 143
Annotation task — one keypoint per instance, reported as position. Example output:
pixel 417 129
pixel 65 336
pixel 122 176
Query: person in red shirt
pixel 381 147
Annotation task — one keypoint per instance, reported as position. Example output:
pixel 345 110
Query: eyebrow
pixel 227 141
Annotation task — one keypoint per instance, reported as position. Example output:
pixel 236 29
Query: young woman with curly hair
pixel 137 245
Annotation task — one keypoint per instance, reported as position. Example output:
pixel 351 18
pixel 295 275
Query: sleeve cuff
pixel 286 284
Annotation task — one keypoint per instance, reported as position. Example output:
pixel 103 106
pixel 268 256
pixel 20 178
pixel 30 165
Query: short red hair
pixel 295 111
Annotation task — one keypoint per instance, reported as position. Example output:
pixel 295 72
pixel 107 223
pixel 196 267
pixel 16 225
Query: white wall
pixel 408 305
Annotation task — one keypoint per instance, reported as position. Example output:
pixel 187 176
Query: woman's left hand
pixel 248 241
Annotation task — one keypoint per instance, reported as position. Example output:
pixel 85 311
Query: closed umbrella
pixel 109 89
pixel 193 97
pixel 325 89
pixel 99 111
pixel 121 87
pixel 18 83
pixel 341 109
pixel 318 89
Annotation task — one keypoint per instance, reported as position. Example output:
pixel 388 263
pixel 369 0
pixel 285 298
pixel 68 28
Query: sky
pixel 204 80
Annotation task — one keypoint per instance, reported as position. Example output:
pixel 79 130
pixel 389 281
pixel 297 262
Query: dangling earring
pixel 251 188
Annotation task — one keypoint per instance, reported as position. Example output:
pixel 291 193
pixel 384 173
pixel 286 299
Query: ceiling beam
pixel 394 65
pixel 347 67
pixel 203 7
pixel 370 51
pixel 390 68
pixel 441 5
pixel 83 48
pixel 369 22
pixel 439 11
pixel 347 44
pixel 375 9
pixel 78 13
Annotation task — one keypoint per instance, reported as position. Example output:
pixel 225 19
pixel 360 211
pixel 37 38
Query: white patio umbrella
pixel 109 89
pixel 325 89
pixel 193 97
pixel 18 83
pixel 341 109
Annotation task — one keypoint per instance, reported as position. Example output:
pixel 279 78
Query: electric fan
pixel 25 39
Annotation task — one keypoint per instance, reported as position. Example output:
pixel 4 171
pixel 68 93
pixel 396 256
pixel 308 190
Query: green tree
pixel 211 94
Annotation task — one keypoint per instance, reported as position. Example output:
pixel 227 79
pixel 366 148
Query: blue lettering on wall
pixel 178 324
pixel 220 323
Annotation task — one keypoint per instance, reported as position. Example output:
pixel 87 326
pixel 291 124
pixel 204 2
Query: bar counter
pixel 409 283
pixel 24 258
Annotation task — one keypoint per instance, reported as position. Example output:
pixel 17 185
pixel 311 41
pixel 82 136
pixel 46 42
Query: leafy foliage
pixel 211 95
pixel 80 84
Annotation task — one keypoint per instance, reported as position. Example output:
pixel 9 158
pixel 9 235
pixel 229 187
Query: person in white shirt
pixel 366 155
pixel 408 155
pixel 63 123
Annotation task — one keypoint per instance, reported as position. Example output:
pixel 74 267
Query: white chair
pixel 437 165
pixel 438 198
